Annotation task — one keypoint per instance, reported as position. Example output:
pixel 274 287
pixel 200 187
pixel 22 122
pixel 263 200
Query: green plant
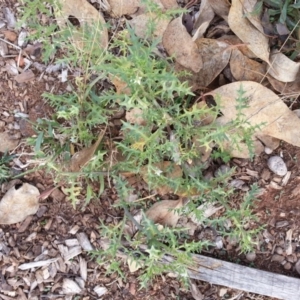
pixel 171 124
pixel 5 172
pixel 286 10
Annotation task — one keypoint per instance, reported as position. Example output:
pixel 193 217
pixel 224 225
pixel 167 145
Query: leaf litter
pixel 207 58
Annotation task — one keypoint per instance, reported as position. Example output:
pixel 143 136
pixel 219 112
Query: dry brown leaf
pixel 169 4
pixel 135 116
pixel 284 88
pixel 9 35
pixel 204 17
pixel 234 40
pixel 6 142
pixel 257 42
pixel 140 25
pixel 179 44
pixel 80 158
pixel 242 151
pixel 120 8
pixel 19 203
pixel 86 14
pixel 244 68
pixel 252 15
pixel 220 7
pixel 268 141
pixel 215 56
pixel 133 265
pixel 283 68
pixel 174 171
pixel 121 86
pixel 264 106
pixel 163 212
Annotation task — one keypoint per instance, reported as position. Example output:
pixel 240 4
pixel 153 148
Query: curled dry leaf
pixel 244 68
pixel 179 44
pixel 86 15
pixel 256 41
pixel 169 4
pixel 252 15
pixel 283 68
pixel 204 17
pixel 120 8
pixel 19 203
pixel 163 212
pixel 220 7
pixel 215 56
pixel 286 88
pixel 80 158
pixel 121 86
pixel 265 108
pixel 133 265
pixel 234 40
pixel 140 24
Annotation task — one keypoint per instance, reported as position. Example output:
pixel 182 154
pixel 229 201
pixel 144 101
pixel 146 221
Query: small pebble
pixel 297 266
pixel 277 258
pixel 268 150
pixel 237 183
pixel 219 242
pixel 279 250
pixel 277 165
pixel 251 256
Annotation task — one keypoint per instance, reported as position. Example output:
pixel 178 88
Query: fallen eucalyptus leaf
pixel 133 265
pixel 220 7
pixel 169 4
pixel 179 44
pixel 86 14
pixel 215 57
pixel 80 158
pixel 265 108
pixel 19 203
pixel 244 68
pixel 283 68
pixel 120 8
pixel 140 24
pixel 163 212
pixel 256 41
pixel 286 88
pixel 203 19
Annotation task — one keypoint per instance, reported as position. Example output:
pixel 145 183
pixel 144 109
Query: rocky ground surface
pixel 47 255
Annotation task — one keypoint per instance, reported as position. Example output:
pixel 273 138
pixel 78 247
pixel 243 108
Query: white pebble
pixel 277 165
pixel 268 150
